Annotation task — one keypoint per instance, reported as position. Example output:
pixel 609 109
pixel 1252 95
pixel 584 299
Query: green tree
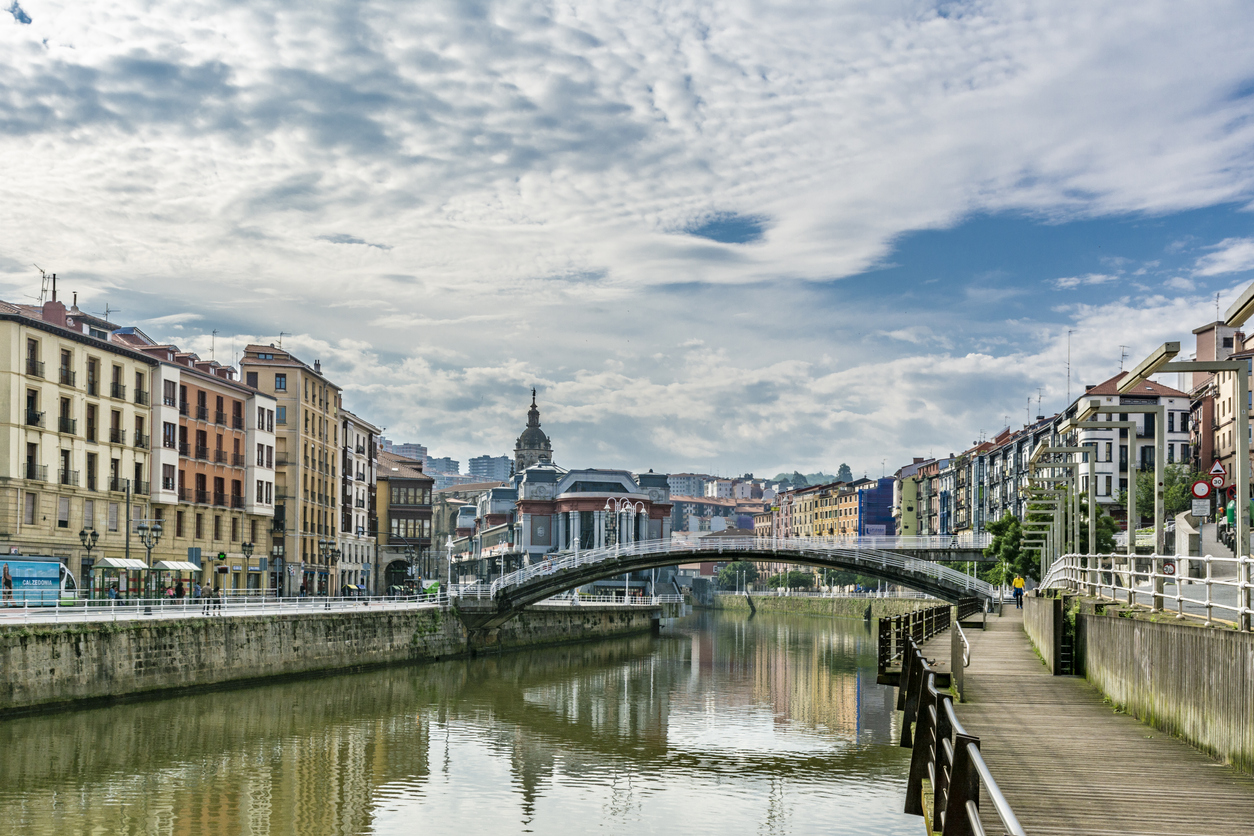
pixel 1106 528
pixel 792 579
pixel 844 473
pixel 1177 497
pixel 734 574
pixel 1008 550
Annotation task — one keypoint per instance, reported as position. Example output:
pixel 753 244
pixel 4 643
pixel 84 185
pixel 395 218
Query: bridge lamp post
pixel 1160 454
pixel 1054 529
pixel 1074 425
pixel 619 506
pixel 89 537
pixel 1058 499
pixel 1090 457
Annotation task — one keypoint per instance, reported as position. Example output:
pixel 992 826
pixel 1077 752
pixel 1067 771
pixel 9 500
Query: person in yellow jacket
pixel 1018 588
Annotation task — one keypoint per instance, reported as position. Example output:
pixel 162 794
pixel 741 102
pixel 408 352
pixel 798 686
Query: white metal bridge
pixel 889 558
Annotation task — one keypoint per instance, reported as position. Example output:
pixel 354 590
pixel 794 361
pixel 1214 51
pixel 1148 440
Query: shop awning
pixel 351 586
pixel 120 563
pixel 176 566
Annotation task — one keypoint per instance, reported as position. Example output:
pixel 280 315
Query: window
pixel 261 490
pixel 269 497
pixel 280 415
pixel 200 526
pixel 178 523
pixel 269 456
pixel 89 514
pixel 250 378
pixel 280 383
pixel 252 531
pixel 169 395
pixel 234 529
pixel 28 513
pixel 1171 422
pixel 168 475
pixel 169 435
pixel 217 527
pixel 269 421
pixel 63 512
pixel 113 516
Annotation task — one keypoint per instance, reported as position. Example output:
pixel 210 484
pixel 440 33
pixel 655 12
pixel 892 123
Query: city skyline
pixel 709 251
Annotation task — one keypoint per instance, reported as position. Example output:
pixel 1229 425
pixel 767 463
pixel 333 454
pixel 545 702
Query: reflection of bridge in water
pixel 908 561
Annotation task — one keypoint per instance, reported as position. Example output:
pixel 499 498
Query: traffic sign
pixel 1218 469
pixel 1201 508
pixel 1217 481
pixel 1169 567
pixel 1201 489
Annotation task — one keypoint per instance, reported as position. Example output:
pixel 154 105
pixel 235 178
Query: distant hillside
pixel 802 479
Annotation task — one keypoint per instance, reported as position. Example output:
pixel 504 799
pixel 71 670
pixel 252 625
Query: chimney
pixel 54 313
pixel 1089 386
pixel 1238 341
pixel 318 366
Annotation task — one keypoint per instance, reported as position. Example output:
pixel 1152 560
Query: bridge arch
pixel 566 571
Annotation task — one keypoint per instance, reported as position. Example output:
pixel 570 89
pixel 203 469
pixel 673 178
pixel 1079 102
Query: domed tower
pixel 533 445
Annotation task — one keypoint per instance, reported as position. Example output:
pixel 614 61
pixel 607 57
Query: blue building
pixel 875 508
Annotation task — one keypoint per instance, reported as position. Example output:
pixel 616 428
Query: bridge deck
pixel 1069 764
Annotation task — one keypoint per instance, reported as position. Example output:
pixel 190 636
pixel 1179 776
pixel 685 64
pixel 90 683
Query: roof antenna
pixel 281 333
pixel 1039 414
pixel 213 344
pixel 1070 331
pixel 43 283
pixel 1123 355
pixel 1216 307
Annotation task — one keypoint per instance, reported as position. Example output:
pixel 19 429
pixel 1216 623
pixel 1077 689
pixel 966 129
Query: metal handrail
pixel 83 610
pixel 966 645
pixel 1119 575
pixel 945 754
pixel 872 549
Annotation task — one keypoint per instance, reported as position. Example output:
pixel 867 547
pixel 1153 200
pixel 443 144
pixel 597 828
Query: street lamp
pixel 89 537
pixel 149 535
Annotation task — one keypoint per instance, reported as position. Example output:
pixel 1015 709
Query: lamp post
pixel 618 506
pixel 149 535
pixel 247 548
pixel 89 537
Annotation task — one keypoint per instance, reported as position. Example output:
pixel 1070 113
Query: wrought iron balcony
pixel 34 367
pixel 34 418
pixel 67 376
pixel 118 390
pixel 67 425
pixel 141 441
pixel 117 435
pixel 141 397
pixel 37 472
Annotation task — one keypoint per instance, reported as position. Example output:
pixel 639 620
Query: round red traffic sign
pixel 1217 481
pixel 1201 489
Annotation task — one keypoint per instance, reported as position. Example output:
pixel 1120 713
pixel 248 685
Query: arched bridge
pixel 889 558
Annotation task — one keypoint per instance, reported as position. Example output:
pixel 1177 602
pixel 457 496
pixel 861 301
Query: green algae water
pixel 722 725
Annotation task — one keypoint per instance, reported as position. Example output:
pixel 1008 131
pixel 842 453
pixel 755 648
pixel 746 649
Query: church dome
pixel 533 445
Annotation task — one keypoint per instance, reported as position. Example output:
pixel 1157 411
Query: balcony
pixel 34 368
pixel 91 432
pixel 117 390
pixel 167 484
pixel 202 452
pixel 361 503
pixel 237 421
pixel 93 386
pixel 184 408
pixel 219 499
pixel 237 460
pixel 140 486
pixel 202 497
pixel 67 376
pixel 237 501
pixel 219 418
pixel 37 472
pixel 361 448
pixel 67 425
pixel 117 435
pixel 169 443
pixel 141 397
pixel 141 441
pixel 202 413
pixel 220 456
pixel 282 460
pixel 168 401
pixel 117 485
pixel 185 449
pixel 34 418
pixel 186 495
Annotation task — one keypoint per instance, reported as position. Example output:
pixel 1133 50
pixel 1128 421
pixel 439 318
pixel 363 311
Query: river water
pixel 723 725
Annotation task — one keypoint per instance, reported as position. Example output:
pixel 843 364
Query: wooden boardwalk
pixel 1069 764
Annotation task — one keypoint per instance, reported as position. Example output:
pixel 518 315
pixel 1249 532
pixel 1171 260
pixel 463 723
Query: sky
pixel 724 237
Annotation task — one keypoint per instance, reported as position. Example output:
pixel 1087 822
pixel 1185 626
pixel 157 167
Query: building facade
pixel 359 456
pixel 405 549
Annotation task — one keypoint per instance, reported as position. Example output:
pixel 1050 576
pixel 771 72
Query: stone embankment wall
pixel 47 666
pixel 1194 682
pixel 1043 622
pixel 832 607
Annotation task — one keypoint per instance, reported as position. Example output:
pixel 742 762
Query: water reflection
pixel 726 725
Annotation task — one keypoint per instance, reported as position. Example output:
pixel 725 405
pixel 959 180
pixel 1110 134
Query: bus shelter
pixel 120 573
pixel 167 574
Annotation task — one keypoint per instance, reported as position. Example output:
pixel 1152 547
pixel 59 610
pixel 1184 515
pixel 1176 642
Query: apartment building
pixel 404 536
pixel 358 514
pixel 307 465
pixel 77 415
pixel 213 467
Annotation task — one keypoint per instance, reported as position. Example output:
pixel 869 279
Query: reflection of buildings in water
pixel 625 700
pixel 298 758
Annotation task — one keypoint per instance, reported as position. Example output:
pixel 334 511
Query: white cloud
pixel 1231 255
pixel 1089 279
pixel 449 202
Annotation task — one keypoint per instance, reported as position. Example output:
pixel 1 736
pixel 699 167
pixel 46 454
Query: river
pixel 723 725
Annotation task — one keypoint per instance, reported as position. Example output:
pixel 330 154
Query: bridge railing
pixel 944 754
pixel 871 555
pixel 134 609
pixel 1195 587
pixel 897 631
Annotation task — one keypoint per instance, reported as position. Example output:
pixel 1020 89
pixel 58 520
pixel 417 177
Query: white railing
pixel 912 594
pixel 140 609
pixel 1195 586
pixel 787 549
pixel 632 601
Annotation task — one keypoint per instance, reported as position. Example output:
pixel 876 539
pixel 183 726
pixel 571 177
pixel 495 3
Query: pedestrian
pixel 208 599
pixel 178 589
pixel 1018 588
pixel 113 594
pixel 217 601
pixel 195 589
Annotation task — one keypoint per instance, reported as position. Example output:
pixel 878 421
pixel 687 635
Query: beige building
pixel 307 465
pixel 76 412
pixel 359 442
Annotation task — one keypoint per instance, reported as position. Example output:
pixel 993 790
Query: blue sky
pixel 723 236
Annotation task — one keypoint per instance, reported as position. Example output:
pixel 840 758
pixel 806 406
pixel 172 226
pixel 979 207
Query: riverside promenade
pixel 1068 763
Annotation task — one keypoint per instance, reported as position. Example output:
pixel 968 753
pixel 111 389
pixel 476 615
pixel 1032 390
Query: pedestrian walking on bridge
pixel 1018 588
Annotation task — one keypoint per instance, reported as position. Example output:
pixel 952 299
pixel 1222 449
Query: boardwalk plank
pixel 1068 763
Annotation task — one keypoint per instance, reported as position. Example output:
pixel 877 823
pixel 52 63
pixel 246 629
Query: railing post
pixel 920 755
pixel 964 789
pixel 941 768
pixel 914 686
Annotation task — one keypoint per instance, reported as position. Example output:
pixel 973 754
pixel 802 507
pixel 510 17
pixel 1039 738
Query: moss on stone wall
pixel 830 607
